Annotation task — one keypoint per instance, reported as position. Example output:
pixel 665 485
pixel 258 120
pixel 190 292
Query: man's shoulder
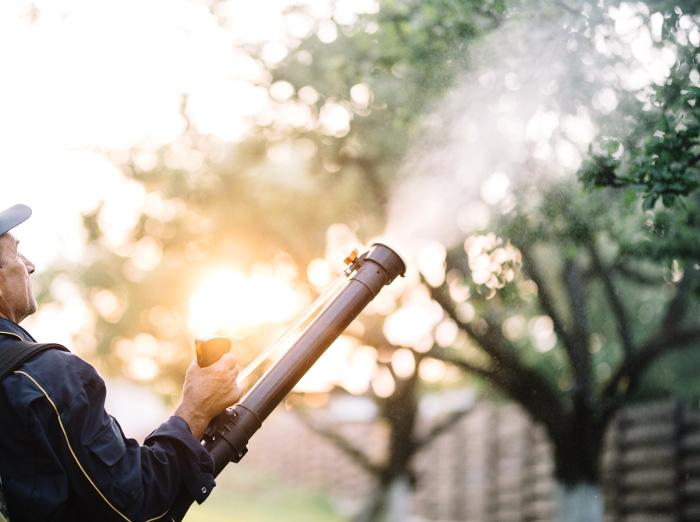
pixel 56 373
pixel 60 366
pixel 49 354
pixel 55 359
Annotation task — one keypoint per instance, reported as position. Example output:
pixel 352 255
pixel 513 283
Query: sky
pixel 84 78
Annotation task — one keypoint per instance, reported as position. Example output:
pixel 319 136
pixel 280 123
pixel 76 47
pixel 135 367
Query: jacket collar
pixel 7 327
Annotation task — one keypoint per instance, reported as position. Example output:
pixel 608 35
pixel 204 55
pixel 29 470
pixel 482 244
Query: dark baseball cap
pixel 13 216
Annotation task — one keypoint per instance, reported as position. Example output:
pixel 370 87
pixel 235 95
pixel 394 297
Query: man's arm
pixel 114 477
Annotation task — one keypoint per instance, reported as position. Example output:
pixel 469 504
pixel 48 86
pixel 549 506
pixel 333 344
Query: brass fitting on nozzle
pixel 350 261
pixel 351 258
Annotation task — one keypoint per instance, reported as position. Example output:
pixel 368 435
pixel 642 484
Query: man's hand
pixel 207 392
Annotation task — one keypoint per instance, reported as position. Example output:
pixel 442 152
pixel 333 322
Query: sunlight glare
pixel 383 384
pixel 335 119
pixel 361 370
pixel 431 262
pixel 330 368
pixel 432 370
pixel 495 188
pixel 319 273
pixel 412 324
pixel 229 302
pixel 403 363
pixel 542 333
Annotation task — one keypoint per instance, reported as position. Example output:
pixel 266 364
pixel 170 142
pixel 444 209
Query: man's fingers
pixel 227 360
pixel 236 393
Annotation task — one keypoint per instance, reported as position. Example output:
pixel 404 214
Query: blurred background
pixel 203 167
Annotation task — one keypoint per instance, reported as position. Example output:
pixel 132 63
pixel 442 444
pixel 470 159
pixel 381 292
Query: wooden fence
pixel 652 465
pixel 495 466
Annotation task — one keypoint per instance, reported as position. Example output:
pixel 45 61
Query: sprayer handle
pixel 210 349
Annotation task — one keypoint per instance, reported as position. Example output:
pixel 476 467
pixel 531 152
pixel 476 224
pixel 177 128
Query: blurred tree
pixel 233 213
pixel 557 317
pixel 398 410
pixel 370 82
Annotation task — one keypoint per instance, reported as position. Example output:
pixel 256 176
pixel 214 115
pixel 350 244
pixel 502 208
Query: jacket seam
pixel 72 452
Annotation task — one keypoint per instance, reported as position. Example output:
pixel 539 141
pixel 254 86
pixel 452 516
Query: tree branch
pixel 545 296
pixel 618 309
pixel 451 358
pixel 340 442
pixel 441 427
pixel 666 338
pixel 634 275
pixel 577 354
pixel 677 307
pixel 521 381
pixel 524 386
pixel 580 356
pixel 488 341
pixel 627 376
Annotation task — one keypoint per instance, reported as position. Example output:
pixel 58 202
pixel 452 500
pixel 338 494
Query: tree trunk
pixel 398 506
pixel 582 502
pixel 373 507
pixel 390 503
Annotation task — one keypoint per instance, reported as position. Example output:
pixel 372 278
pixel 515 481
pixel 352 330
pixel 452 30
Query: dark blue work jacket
pixel 64 458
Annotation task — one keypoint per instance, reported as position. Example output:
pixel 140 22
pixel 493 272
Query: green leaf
pixel 648 202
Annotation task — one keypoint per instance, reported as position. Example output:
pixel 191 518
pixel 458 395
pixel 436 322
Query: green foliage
pixel 659 154
pixel 567 225
pixel 408 55
pixel 655 155
pixel 576 323
pixel 664 164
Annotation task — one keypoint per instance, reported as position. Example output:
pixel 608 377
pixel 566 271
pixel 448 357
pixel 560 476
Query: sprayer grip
pixel 210 349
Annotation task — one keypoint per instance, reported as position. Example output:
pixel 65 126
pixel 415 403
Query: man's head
pixel 16 298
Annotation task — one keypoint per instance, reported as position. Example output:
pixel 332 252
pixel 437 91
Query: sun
pixel 229 302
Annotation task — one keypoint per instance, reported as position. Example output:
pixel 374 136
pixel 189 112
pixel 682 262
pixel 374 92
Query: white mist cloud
pixel 524 114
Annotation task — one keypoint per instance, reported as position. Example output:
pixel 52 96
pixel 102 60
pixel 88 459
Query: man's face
pixel 16 298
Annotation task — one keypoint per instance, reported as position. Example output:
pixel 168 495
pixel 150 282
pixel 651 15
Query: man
pixel 62 456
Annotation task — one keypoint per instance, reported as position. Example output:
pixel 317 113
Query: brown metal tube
pixel 274 386
pixel 377 267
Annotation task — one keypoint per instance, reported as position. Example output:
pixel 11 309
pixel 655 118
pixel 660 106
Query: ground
pixel 262 498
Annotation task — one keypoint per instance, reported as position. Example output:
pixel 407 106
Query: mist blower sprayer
pixel 227 436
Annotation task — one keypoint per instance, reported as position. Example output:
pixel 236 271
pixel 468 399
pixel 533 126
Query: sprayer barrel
pixel 274 386
pixel 377 267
